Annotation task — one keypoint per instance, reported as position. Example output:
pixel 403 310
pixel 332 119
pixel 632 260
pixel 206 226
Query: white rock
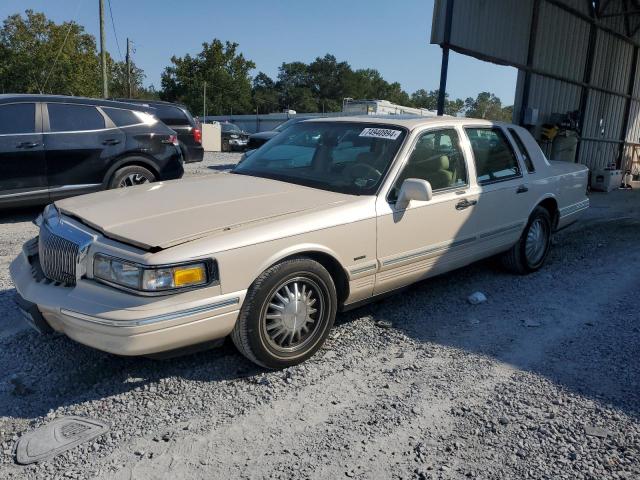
pixel 477 298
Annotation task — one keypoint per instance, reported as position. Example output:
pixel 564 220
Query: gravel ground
pixel 540 381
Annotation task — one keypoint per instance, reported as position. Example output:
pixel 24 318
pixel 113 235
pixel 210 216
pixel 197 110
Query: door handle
pixel 522 189
pixel 111 141
pixel 28 145
pixel 462 204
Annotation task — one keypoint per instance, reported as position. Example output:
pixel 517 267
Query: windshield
pixel 338 156
pixel 287 124
pixel 230 127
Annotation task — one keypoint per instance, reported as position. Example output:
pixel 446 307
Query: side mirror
pixel 413 189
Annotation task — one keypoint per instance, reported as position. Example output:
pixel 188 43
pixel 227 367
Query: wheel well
pixel 551 205
pixel 334 268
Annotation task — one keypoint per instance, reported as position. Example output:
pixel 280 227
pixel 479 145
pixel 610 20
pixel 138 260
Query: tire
pixel 130 176
pixel 260 338
pixel 523 258
pixel 226 147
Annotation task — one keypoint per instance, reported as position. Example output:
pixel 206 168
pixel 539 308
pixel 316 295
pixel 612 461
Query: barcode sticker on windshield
pixel 380 133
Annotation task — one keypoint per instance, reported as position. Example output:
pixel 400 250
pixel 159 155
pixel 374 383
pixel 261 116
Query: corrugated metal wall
pixel 561 50
pixel 478 28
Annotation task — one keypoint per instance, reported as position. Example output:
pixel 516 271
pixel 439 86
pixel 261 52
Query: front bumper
pixel 117 322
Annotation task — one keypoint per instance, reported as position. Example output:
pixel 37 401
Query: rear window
pixel 523 150
pixel 121 117
pixel 18 118
pixel 65 117
pixel 171 115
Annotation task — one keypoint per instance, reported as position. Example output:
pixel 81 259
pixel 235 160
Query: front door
pixel 504 198
pixel 427 238
pixel 23 175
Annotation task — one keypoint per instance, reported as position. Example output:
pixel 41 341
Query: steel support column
pixel 588 68
pixel 627 107
pixel 444 69
pixel 533 32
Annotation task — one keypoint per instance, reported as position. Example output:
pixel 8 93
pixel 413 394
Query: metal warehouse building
pixel 571 55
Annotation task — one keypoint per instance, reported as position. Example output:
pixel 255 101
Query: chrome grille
pixel 58 256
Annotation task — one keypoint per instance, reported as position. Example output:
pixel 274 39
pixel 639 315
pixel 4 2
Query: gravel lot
pixel 541 381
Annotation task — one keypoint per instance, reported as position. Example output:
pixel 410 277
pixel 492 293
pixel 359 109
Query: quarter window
pixel 523 150
pixel 18 118
pixel 72 118
pixel 437 158
pixel 121 117
pixel 494 157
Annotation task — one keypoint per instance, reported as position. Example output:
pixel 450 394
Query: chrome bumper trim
pixel 154 319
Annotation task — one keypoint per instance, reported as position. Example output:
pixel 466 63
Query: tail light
pixel 197 135
pixel 172 139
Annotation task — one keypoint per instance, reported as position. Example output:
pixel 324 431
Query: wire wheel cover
pixel 293 314
pixel 537 239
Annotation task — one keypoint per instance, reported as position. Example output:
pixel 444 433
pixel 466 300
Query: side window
pixel 523 150
pixel 18 118
pixel 494 157
pixel 72 118
pixel 121 117
pixel 437 158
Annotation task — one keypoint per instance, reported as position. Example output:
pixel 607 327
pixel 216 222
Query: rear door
pixel 23 172
pixel 80 146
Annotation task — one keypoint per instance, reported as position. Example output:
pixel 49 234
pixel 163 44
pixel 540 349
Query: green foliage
pixel 486 105
pixel 226 73
pixel 429 99
pixel 33 60
pixel 118 80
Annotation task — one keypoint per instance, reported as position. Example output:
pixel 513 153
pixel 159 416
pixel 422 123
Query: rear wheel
pixel 131 176
pixel 287 314
pixel 531 250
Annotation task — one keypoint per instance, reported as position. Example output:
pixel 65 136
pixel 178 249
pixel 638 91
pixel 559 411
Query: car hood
pixel 264 135
pixel 164 214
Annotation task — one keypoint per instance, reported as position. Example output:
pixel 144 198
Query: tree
pixel 118 81
pixel 39 56
pixel 225 71
pixel 265 94
pixel 486 105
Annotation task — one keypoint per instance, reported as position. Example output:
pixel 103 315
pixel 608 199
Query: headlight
pixel 152 279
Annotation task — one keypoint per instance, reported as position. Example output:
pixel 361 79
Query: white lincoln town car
pixel 329 214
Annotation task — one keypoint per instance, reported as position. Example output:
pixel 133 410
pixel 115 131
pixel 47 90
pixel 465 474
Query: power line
pixel 113 24
pixel 55 61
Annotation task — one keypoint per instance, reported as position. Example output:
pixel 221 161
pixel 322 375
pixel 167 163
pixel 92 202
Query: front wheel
pixel 287 314
pixel 531 250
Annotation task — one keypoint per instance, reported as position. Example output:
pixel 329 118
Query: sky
pixel 392 37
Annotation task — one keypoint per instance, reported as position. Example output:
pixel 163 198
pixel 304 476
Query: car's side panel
pixel 23 178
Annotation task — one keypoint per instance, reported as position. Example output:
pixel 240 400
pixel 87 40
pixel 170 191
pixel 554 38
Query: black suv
pixel 53 147
pixel 177 117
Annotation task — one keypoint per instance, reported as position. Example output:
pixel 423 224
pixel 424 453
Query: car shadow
pixel 18 215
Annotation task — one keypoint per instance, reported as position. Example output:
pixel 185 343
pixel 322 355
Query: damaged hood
pixel 165 214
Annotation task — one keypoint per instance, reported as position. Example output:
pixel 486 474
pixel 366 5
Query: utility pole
pixel 103 52
pixel 128 69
